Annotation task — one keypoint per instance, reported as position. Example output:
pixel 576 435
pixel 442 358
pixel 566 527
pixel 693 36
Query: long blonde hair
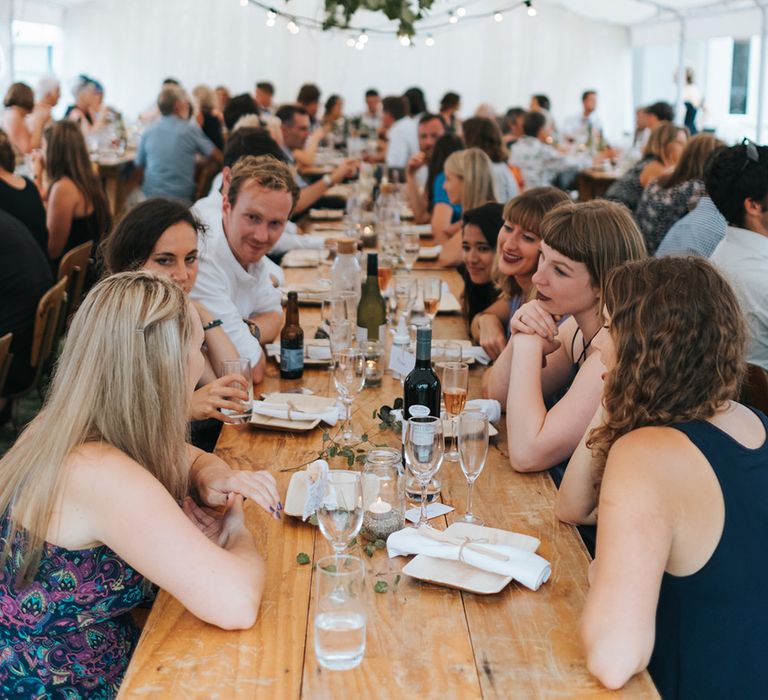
pixel 121 380
pixel 474 167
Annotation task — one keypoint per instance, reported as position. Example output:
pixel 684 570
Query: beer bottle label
pixel 291 359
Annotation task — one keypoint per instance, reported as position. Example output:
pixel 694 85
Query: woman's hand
pixel 491 335
pixel 217 526
pixel 532 318
pixel 220 393
pixel 216 482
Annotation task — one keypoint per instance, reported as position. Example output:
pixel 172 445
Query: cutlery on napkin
pixel 289 412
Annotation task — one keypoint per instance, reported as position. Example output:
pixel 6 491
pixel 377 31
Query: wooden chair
pixel 46 335
pixel 754 391
pixel 5 358
pixel 74 265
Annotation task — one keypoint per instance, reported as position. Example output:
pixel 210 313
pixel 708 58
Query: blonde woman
pixel 468 184
pixel 90 492
pixel 208 118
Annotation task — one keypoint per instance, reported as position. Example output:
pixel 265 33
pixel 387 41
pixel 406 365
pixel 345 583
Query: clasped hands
pixel 533 320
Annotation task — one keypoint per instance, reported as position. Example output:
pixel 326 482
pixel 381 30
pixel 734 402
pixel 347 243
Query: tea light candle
pixel 380 520
pixel 379 507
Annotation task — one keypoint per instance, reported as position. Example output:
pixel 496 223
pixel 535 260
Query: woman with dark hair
pixel 443 213
pixel 484 133
pixel 678 583
pixel 449 110
pixel 417 105
pixel 478 250
pixel 19 103
pixel 77 208
pixel 161 236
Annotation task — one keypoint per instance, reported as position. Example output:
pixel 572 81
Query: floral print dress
pixel 68 634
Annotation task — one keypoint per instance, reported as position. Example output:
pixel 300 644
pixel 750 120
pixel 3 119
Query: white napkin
pixel 490 407
pixel 524 566
pixel 318 352
pixel 302 257
pixel 430 252
pixel 478 353
pixel 273 410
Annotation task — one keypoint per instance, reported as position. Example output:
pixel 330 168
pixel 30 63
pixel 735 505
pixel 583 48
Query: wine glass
pixel 432 289
pixel 473 450
pixel 349 376
pixel 241 366
pixel 351 299
pixel 454 383
pixel 425 449
pixel 340 513
pixel 333 309
pixel 406 292
pixel 409 248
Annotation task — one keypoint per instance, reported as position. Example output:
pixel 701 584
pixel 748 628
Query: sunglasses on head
pixel 752 154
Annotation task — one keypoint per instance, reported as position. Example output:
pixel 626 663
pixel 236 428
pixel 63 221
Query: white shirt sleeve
pixel 397 146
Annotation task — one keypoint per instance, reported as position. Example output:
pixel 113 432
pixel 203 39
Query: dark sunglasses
pixel 751 153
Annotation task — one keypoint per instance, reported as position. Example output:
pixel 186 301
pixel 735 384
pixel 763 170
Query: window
pixel 739 77
pixel 34 45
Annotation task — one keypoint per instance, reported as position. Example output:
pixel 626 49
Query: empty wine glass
pixel 349 376
pixel 351 299
pixel 473 450
pixel 333 309
pixel 409 248
pixel 406 292
pixel 454 383
pixel 340 513
pixel 425 449
pixel 432 288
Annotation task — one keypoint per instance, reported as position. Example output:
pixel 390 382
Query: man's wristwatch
pixel 253 328
pixel 327 180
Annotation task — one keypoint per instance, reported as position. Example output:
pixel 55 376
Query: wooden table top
pixel 423 640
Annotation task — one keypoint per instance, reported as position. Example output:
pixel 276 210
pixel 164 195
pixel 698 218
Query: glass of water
pixel 425 448
pixel 473 450
pixel 241 366
pixel 349 377
pixel 340 513
pixel 340 612
pixel 409 248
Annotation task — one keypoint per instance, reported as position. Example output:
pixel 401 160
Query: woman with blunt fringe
pixel 162 236
pixel 554 382
pixel 89 500
pixel 678 584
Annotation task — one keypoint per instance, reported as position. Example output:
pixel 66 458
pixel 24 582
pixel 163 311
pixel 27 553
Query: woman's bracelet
pixel 213 324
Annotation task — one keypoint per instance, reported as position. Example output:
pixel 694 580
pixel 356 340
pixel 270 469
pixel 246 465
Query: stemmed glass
pixel 473 450
pixel 333 309
pixel 349 376
pixel 425 449
pixel 340 513
pixel 409 248
pixel 454 383
pixel 406 292
pixel 432 288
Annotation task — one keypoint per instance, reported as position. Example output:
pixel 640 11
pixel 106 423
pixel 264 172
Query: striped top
pixel 697 233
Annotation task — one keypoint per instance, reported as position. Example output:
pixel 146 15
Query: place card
pixel 434 510
pixel 401 361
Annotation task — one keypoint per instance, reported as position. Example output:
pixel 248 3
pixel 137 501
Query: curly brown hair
pixel 679 337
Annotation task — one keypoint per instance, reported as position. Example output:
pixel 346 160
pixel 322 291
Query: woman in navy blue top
pixel 678 581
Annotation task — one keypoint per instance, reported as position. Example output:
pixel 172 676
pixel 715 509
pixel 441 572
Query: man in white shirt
pixel 431 128
pixel 581 128
pixel 371 118
pixel 402 136
pixel 738 185
pixel 234 280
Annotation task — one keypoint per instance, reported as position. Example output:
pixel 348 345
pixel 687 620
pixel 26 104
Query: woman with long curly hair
pixel 678 581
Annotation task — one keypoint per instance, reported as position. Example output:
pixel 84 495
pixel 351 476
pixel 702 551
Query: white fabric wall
pixel 132 46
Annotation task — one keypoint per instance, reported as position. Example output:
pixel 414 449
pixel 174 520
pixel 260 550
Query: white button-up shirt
pixel 402 142
pixel 743 258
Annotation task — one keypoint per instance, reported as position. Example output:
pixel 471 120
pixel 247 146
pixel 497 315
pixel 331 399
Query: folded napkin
pixel 522 565
pixel 280 410
pixel 326 213
pixel 301 257
pixel 430 252
pixel 490 407
pixel 318 352
pixel 478 353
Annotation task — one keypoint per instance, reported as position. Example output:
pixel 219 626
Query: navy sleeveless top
pixel 712 626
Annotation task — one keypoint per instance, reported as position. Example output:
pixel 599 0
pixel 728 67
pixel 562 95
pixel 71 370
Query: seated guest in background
pixel 265 92
pixel 417 104
pixel 676 585
pixel 485 134
pixel 468 184
pixel 662 151
pixel 295 129
pixel 402 136
pixel 85 92
pixel 672 196
pixel 585 126
pixel 90 492
pixel 237 107
pixel 333 121
pixel 168 148
pixel 581 244
pixel 441 212
pixel 450 105
pixel 19 103
pixel 513 125
pixel 542 103
pixel 648 118
pixel 739 181
pixel 234 281
pixel 478 252
pixel 206 116
pixel 20 197
pixel 431 128
pixel 309 99
pixel 517 256
pixel 222 97
pixel 25 276
pixel 540 163
pixel 77 210
pixel 371 117
pixel 48 95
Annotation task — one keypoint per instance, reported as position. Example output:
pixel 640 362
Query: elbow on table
pixel 613 660
pixel 237 609
pixel 526 460
pixel 608 668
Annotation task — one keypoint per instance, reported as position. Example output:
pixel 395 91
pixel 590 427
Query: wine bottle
pixel 371 311
pixel 422 386
pixel 292 341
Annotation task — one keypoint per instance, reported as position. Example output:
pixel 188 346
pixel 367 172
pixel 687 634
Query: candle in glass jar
pixel 379 507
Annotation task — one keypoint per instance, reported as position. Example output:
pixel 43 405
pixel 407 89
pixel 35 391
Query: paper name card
pixel 434 510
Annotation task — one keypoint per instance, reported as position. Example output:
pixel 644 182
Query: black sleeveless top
pixel 27 206
pixel 712 626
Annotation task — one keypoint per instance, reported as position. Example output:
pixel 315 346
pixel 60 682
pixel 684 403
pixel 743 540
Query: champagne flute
pixel 432 289
pixel 349 376
pixel 241 366
pixel 333 309
pixel 409 248
pixel 454 383
pixel 473 450
pixel 340 513
pixel 406 291
pixel 425 449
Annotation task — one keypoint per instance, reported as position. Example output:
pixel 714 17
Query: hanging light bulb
pixel 531 8
pixel 453 19
pixel 429 41
pixel 271 14
pixel 270 21
pixel 461 12
pixel 363 38
pixel 351 43
pixel 498 16
pixel 243 3
pixel 405 40
pixel 359 45
pixel 292 27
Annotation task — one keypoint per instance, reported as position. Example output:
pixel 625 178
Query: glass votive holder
pixel 383 494
pixel 369 237
pixel 374 362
